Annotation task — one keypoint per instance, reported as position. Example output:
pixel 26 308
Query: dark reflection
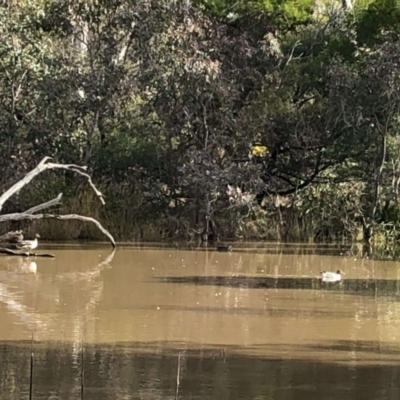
pixel 266 248
pixel 345 250
pixel 271 312
pixel 352 251
pixel 381 287
pixel 365 346
pixel 121 372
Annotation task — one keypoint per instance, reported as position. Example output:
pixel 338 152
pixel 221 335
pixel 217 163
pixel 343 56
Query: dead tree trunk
pixel 33 212
pixel 369 222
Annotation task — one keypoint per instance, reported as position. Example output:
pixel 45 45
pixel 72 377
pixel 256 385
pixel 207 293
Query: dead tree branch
pixel 31 213
pixel 43 166
pixel 45 205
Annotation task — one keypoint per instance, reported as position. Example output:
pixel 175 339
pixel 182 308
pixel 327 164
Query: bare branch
pixel 30 214
pixel 23 216
pixel 80 170
pixel 20 184
pixel 43 166
pixel 42 206
pixel 291 53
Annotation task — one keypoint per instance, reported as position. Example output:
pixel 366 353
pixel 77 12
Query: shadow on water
pixel 378 287
pixel 124 372
pixel 351 251
pixel 345 250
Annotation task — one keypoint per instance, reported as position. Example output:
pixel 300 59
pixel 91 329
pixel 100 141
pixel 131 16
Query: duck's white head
pixel 37 236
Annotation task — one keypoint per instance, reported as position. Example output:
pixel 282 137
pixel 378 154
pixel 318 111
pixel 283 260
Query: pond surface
pixel 162 323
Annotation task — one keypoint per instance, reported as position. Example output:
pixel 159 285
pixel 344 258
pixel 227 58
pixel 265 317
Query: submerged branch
pixel 10 252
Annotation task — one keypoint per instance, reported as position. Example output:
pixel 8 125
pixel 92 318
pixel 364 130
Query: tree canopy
pixel 210 118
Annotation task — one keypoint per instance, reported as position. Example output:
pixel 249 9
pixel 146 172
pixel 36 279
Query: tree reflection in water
pixel 121 372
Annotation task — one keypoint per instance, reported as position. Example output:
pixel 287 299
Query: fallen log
pixel 10 252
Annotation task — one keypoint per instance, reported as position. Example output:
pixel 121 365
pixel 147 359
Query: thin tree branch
pixel 42 206
pixel 20 184
pixel 81 171
pixel 43 166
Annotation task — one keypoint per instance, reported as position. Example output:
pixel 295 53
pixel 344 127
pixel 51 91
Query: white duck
pixel 332 276
pixel 29 245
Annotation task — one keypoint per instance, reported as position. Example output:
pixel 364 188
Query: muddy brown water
pixel 165 323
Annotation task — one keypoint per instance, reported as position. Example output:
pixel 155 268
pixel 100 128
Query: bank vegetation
pixel 208 119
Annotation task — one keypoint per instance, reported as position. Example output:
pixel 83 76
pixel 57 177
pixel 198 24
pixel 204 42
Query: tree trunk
pixel 369 222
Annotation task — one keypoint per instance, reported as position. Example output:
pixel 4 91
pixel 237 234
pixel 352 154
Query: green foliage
pixel 333 209
pixel 124 153
pixel 286 13
pixel 378 22
pixel 168 103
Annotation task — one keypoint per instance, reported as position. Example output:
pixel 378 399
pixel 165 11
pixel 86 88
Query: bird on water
pixel 332 276
pixel 16 241
pixel 29 245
